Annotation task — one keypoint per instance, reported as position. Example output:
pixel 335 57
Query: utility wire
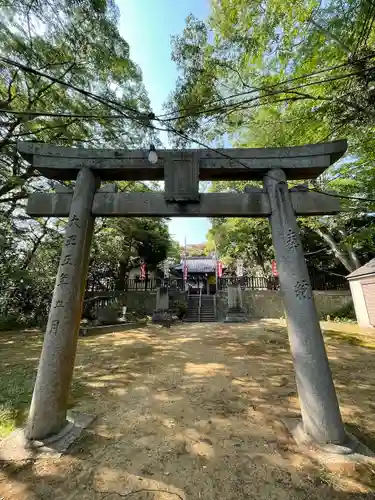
pixel 366 28
pixel 111 104
pixel 257 89
pixel 60 115
pixel 139 116
pixel 371 200
pixel 241 104
pixel 362 39
pixel 86 93
pixel 230 106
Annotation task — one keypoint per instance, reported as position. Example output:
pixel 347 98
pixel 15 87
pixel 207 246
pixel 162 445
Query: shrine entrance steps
pixel 192 313
pixel 200 310
pixel 207 309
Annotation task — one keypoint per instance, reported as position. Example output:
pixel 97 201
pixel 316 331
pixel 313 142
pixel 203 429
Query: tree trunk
pixel 342 256
pixel 36 245
pixel 122 275
pixel 351 253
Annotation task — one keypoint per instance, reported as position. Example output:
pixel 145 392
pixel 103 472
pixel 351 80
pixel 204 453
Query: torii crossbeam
pixel 182 171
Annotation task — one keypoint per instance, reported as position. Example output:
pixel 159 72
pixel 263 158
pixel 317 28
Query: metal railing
pixel 200 305
pixel 249 283
pixel 136 285
pixel 318 282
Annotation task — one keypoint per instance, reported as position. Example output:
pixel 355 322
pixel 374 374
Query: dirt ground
pixel 194 413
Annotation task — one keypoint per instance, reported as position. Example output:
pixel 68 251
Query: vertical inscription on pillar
pixel 67 260
pixel 54 326
pixel 71 240
pixel 66 274
pixel 73 221
pixel 302 290
pixel 67 257
pixel 63 279
pixel 292 240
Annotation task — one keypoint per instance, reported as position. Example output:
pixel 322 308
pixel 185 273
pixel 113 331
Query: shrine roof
pixel 198 265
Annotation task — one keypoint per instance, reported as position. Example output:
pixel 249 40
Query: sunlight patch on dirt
pixel 192 412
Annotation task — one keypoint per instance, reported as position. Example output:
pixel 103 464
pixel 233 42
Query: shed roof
pixel 365 270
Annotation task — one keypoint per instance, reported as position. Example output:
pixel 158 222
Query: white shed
pixel 362 286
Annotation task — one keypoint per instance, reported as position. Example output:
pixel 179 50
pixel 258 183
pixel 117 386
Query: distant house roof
pixel 365 270
pixel 198 265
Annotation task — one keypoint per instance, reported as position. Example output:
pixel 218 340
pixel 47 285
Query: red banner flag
pixel 219 269
pixel 274 269
pixel 143 270
pixel 185 272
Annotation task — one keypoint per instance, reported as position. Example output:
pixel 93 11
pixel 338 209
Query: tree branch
pixel 330 35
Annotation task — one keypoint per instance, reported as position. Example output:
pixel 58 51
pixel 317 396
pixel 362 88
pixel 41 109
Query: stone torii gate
pixel 182 171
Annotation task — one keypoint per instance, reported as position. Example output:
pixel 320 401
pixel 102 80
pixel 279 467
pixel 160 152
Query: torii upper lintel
pixel 297 162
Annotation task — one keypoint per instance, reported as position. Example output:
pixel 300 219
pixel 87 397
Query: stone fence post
pixel 161 312
pixel 236 312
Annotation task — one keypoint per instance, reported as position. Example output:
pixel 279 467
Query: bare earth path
pixel 194 413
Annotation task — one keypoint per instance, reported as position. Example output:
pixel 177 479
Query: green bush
pixel 180 308
pixel 11 322
pixel 346 314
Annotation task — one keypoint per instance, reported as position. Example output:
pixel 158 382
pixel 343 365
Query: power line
pixel 366 28
pixel 357 198
pixel 115 105
pixel 111 104
pixel 257 89
pixel 86 93
pixel 107 102
pixel 241 104
pixel 59 115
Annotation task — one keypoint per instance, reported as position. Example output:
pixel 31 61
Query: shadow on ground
pixel 194 413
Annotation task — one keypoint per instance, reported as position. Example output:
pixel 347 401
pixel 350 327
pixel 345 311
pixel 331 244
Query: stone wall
pixel 268 303
pixel 140 302
pixel 257 303
pixel 145 302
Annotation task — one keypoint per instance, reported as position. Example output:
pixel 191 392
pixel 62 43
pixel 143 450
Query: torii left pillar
pixel 48 411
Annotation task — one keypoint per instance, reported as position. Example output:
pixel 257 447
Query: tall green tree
pixel 120 245
pixel 77 42
pixel 277 73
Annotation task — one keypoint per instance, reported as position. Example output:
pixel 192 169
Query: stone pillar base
pixel 236 315
pixel 18 447
pixel 351 451
pixel 161 316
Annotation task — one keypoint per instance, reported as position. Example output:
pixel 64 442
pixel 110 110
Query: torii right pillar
pixel 320 411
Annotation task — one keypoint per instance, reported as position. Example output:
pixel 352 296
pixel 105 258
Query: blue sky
pixel 147 25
